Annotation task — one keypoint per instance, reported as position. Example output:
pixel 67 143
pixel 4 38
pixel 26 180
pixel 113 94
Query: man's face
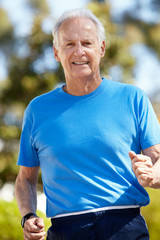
pixel 79 50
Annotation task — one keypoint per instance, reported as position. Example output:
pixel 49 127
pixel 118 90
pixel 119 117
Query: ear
pixel 55 50
pixel 103 47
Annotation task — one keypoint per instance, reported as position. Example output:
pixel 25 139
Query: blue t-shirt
pixel 82 142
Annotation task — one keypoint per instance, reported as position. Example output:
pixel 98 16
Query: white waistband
pixel 96 210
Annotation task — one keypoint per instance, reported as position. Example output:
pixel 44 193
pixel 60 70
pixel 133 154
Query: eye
pixel 87 43
pixel 70 44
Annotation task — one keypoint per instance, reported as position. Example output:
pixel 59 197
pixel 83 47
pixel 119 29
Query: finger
pixel 147 172
pixel 138 157
pixel 139 168
pixel 142 166
pixel 39 222
pixel 34 225
pixel 36 236
pixel 132 155
pixel 26 238
pixel 144 180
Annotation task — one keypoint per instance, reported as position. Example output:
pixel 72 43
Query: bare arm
pixel 26 195
pixel 154 154
pixel 147 166
pixel 25 189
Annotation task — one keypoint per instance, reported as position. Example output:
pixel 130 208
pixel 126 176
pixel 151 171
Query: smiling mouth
pixel 80 63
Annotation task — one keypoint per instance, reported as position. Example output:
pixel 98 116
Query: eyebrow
pixel 83 40
pixel 68 40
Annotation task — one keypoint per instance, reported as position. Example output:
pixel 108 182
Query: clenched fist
pixel 34 229
pixel 142 167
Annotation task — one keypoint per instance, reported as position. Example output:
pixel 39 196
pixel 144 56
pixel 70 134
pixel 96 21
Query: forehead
pixel 78 27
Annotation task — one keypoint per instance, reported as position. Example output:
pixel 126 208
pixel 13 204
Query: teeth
pixel 80 63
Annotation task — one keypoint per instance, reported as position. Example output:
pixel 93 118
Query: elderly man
pixel 87 137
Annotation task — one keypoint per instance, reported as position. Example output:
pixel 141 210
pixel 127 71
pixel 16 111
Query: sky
pixel 21 16
pixel 147 68
pixel 59 6
pixel 145 10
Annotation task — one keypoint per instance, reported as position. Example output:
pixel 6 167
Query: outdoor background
pixel 28 69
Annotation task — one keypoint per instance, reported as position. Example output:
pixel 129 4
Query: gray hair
pixel 80 12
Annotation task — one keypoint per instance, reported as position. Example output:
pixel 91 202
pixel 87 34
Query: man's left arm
pixel 146 166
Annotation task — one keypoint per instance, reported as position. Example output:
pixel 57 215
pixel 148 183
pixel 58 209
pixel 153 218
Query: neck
pixel 80 87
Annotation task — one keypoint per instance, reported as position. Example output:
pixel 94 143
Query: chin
pixel 82 74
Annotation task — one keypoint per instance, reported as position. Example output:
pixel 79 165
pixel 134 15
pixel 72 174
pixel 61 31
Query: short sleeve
pixel 148 124
pixel 27 152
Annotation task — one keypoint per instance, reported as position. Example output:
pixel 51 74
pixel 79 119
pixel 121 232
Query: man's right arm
pixel 26 195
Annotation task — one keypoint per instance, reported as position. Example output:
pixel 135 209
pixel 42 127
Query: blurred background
pixel 28 69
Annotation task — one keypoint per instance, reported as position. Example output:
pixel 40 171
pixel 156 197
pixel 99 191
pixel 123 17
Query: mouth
pixel 80 63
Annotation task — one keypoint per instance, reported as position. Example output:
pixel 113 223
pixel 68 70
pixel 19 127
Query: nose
pixel 79 50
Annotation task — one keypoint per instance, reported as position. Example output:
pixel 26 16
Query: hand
pixel 143 168
pixel 34 229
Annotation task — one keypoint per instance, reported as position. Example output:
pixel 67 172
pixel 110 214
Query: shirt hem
pixel 96 210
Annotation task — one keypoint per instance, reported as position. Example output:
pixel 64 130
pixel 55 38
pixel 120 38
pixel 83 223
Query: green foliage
pixel 151 214
pixel 9 132
pixel 149 34
pixel 40 7
pixel 117 44
pixel 8 167
pixel 24 82
pixel 8 156
pixel 5 25
pixel 10 219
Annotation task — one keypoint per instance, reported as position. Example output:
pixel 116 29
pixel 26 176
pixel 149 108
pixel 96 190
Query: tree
pixel 117 45
pixel 25 81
